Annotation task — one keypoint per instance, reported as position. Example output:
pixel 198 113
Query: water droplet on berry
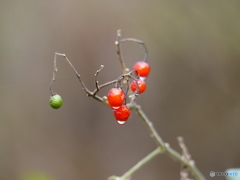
pixel 121 122
pixel 143 78
pixel 115 107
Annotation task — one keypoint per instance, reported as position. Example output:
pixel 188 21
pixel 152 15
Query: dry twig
pixel 185 159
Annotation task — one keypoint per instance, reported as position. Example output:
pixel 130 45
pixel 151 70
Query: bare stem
pixel 162 148
pixel 89 93
pixel 165 147
pixel 139 42
pixel 184 172
pixel 141 163
pixel 117 42
pixel 131 171
pixel 184 148
pixel 190 165
pixel 149 125
pixel 96 81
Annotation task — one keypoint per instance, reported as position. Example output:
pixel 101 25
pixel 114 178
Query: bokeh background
pixel 193 90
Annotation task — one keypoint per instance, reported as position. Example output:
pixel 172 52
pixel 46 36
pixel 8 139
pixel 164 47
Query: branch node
pixel 96 81
pixel 167 145
pixel 192 162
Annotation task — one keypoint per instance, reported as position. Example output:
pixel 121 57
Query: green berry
pixel 55 101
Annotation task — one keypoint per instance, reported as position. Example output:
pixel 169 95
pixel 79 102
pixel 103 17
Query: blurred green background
pixel 193 90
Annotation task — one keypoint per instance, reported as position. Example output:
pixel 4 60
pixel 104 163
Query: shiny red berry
pixel 142 68
pixel 116 97
pixel 138 86
pixel 122 114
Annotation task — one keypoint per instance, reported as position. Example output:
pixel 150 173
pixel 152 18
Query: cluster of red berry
pixel 117 96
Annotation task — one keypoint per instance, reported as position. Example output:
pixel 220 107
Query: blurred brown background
pixel 193 89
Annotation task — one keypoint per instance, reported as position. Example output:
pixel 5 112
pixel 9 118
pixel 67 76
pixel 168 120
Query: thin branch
pixel 88 92
pixel 108 83
pixel 117 43
pixel 190 165
pixel 54 72
pixel 139 42
pixel 116 81
pixel 149 125
pixel 131 171
pixel 75 71
pixel 141 163
pixel 182 145
pixel 164 146
pixel 185 154
pixel 96 81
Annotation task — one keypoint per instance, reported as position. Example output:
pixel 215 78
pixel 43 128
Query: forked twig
pixel 89 93
pixel 96 81
pixel 119 41
pixel 163 147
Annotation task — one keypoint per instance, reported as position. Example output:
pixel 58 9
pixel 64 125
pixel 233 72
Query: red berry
pixel 116 97
pixel 142 68
pixel 138 85
pixel 122 113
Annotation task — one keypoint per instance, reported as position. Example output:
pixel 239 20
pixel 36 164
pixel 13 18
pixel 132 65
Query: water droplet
pixel 143 78
pixel 121 122
pixel 115 107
